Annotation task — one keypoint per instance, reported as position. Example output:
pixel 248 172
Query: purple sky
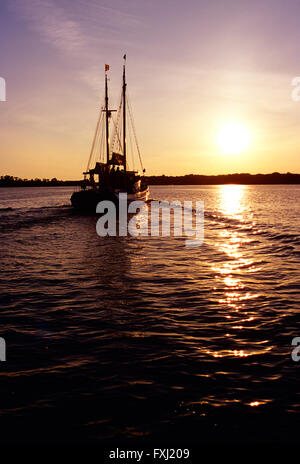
pixel 192 67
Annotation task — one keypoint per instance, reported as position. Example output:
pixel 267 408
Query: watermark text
pixel 154 218
pixel 2 349
pixel 296 351
pixel 2 89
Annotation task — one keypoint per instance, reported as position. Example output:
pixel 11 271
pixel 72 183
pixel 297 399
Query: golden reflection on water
pixel 229 272
pixel 260 402
pixel 231 197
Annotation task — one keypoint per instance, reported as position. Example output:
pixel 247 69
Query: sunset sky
pixel 193 68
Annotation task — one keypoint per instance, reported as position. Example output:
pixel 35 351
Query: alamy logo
pixel 152 219
pixel 2 89
pixel 2 349
pixel 296 351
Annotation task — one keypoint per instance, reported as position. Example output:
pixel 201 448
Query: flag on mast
pixel 106 67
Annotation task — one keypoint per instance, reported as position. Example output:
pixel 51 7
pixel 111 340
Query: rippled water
pixel 123 338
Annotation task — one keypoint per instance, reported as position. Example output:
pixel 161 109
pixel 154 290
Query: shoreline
pixel 275 178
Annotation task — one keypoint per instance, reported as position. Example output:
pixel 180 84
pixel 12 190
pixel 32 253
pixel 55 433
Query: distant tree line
pixel 11 181
pixel 244 178
pixel 189 179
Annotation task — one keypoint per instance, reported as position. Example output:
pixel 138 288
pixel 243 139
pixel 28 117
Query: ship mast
pixel 124 113
pixel 107 115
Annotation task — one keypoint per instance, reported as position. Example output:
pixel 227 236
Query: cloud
pixel 85 32
pixel 79 28
pixel 110 17
pixel 52 23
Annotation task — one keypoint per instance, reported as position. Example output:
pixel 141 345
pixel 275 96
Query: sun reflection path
pixel 231 200
pixel 235 298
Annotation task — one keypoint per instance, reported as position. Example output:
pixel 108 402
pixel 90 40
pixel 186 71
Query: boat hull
pixel 87 200
pixel 141 195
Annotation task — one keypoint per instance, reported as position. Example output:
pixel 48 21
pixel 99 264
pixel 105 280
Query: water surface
pixel 124 338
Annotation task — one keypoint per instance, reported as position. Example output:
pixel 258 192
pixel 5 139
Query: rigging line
pixel 119 140
pixel 94 140
pixel 99 143
pixel 117 134
pixel 101 147
pixel 134 133
pixel 97 153
pixel 117 122
pixel 131 149
pixel 96 144
pixel 96 150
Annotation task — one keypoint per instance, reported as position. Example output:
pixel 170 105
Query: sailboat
pixel 111 175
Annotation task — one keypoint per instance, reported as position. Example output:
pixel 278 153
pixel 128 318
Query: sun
pixel 233 138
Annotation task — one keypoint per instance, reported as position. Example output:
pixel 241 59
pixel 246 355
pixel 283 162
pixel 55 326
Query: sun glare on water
pixel 233 139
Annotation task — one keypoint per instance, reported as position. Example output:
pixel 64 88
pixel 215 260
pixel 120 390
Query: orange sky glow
pixel 192 72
